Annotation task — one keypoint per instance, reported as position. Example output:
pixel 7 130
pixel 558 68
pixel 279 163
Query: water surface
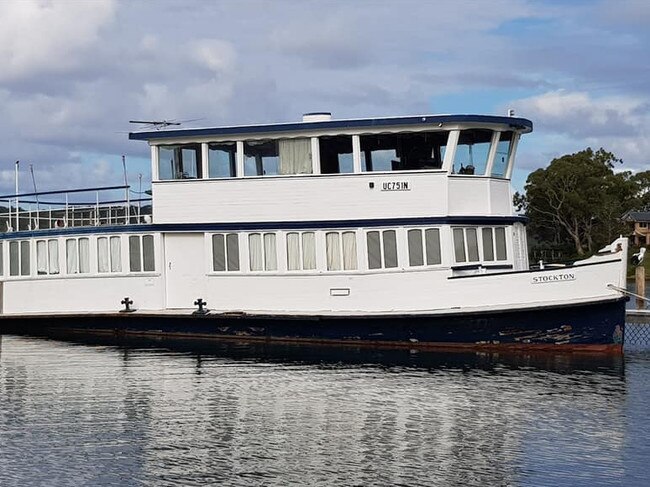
pixel 101 412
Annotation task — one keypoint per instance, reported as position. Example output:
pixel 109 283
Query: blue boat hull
pixel 588 327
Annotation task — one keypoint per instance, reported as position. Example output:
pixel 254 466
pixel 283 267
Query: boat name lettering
pixel 566 276
pixel 395 186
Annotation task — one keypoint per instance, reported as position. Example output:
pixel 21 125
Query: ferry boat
pixel 396 231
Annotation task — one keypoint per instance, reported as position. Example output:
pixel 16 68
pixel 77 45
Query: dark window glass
pixel 336 154
pixel 261 158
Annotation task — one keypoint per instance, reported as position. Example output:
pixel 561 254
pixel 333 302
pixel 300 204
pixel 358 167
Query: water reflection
pixel 105 411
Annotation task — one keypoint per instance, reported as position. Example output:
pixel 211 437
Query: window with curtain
pixel 262 252
pixel 109 254
pixel 301 251
pixel 382 249
pixel 77 252
pixel 47 257
pixel 341 248
pixel 225 252
pixel 295 156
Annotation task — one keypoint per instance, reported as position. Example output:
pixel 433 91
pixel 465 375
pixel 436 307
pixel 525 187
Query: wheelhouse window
pixel 77 253
pixel 19 258
pixel 424 247
pixel 225 252
pixel 179 161
pixel 382 249
pixel 47 257
pixel 301 251
pixel 403 152
pixel 336 154
pixel 472 152
pixel 262 252
pixel 341 249
pixel 222 160
pixel 109 254
pixel 500 165
pixel 141 253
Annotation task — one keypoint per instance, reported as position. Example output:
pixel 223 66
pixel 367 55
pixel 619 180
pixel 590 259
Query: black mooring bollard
pixel 127 302
pixel 200 303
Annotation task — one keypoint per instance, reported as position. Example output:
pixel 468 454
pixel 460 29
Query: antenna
pixel 156 124
pixel 38 209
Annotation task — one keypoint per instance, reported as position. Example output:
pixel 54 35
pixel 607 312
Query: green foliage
pixel 578 200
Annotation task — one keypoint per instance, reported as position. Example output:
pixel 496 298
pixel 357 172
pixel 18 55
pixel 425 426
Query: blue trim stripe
pixel 252 226
pixel 522 124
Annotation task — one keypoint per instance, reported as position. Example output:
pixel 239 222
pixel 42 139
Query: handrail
pixel 64 191
pixel 625 291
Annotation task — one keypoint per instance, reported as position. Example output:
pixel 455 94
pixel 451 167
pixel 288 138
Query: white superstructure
pixel 386 216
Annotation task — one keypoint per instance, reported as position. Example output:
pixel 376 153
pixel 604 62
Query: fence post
pixel 640 285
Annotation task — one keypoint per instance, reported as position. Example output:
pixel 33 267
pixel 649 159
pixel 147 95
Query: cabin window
pixel 301 251
pixel 382 249
pixel 225 252
pixel 425 249
pixel 47 257
pixel 262 252
pixel 500 166
pixel 222 160
pixel 77 253
pixel 336 154
pixel 472 152
pixel 179 161
pixel 141 253
pixel 109 254
pixel 273 157
pixel 341 249
pixel 493 244
pixel 466 245
pixel 403 152
pixel 19 264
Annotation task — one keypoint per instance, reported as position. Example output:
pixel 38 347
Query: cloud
pixel 38 37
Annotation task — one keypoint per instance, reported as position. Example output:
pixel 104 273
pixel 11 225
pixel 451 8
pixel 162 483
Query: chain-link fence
pixel 637 336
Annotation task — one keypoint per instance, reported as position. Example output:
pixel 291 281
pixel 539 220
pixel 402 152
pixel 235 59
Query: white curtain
pixel 255 252
pixel 349 251
pixel 41 257
pixel 295 156
pixel 333 244
pixel 116 254
pixel 53 256
pixel 102 255
pixel 293 251
pixel 84 255
pixel 270 254
pixel 309 250
pixel 72 258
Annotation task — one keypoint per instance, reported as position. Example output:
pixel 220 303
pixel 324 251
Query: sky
pixel 73 73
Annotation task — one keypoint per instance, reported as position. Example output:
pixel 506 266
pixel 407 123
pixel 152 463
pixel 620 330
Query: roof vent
pixel 511 112
pixel 317 117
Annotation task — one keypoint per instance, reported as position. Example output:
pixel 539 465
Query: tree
pixel 578 200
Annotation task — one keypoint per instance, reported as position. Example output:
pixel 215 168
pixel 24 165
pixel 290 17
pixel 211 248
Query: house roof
pixel 637 216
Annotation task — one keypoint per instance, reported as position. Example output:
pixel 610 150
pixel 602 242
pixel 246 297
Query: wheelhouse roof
pixel 520 124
